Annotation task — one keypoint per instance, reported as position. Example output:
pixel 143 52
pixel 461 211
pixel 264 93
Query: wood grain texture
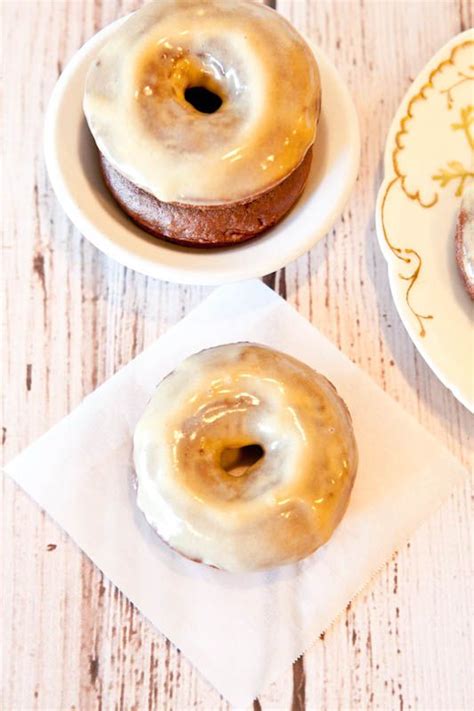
pixel 71 318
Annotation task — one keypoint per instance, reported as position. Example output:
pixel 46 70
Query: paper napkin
pixel 241 631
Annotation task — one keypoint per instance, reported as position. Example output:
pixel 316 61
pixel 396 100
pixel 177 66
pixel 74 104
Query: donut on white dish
pixel 245 458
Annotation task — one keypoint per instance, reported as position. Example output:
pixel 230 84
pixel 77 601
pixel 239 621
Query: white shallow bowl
pixel 428 162
pixel 73 167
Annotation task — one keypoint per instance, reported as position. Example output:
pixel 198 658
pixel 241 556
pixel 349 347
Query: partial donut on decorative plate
pixel 245 458
pixel 422 204
pixel 74 169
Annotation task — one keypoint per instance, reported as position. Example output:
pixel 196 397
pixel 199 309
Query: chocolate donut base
pixel 210 225
pixel 460 254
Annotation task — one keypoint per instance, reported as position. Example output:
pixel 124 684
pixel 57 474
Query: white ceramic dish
pixel 429 157
pixel 73 168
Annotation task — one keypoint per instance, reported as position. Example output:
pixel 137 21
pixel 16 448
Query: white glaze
pixel 264 71
pixel 284 506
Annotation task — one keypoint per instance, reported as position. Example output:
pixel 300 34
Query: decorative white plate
pixel 73 168
pixel 429 158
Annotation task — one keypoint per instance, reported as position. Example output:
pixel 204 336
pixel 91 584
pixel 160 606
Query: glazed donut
pixel 201 108
pixel 245 458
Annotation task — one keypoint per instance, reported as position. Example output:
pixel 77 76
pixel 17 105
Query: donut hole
pixel 236 461
pixel 203 100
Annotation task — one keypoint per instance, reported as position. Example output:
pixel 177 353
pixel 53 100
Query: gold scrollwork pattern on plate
pixel 455 170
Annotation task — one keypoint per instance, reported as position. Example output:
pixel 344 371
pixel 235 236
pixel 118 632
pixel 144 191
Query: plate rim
pixel 171 273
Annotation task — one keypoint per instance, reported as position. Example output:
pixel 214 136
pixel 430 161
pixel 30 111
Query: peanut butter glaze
pixel 279 501
pixel 260 68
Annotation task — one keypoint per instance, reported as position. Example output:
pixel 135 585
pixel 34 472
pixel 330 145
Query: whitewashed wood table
pixel 72 317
